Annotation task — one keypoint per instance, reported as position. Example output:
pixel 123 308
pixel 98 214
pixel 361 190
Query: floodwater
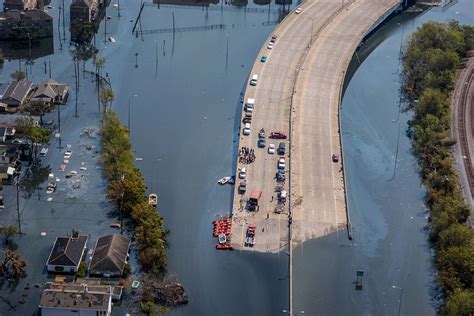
pixel 187 86
pixel 386 203
pixel 184 121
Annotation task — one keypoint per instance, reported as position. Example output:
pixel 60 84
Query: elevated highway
pixel 298 93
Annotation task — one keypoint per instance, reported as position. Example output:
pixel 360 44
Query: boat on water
pixel 223 181
pixel 226 180
pixel 222 239
pixel 153 199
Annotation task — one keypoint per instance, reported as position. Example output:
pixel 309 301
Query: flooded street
pixel 183 124
pixel 183 91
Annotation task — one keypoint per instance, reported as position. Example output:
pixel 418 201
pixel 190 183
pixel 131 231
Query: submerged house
pixel 19 5
pixel 75 299
pixel 50 92
pixel 24 25
pixel 110 256
pixel 83 11
pixel 17 93
pixel 67 253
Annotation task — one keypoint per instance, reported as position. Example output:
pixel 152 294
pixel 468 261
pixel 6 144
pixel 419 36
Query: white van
pixel 249 106
pixel 253 81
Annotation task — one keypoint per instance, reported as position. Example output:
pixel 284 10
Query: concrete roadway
pixel 273 95
pixel 316 181
pixel 318 65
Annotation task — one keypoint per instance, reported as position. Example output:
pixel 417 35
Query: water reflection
pixel 21 49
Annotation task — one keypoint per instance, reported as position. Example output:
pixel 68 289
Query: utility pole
pixel 64 25
pixel 129 102
pixel 173 24
pixel 59 126
pixel 18 205
pixel 227 52
pixel 76 76
pixel 121 205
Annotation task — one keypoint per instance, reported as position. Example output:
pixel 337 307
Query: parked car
pixel 247 119
pixel 278 135
pixel 281 148
pixel 246 130
pixel 242 173
pixel 281 163
pixel 335 158
pixel 263 59
pixel 271 149
pixel 253 81
pixel 249 108
pixel 274 38
pixel 261 142
pixel 280 175
pixel 298 10
pixel 270 45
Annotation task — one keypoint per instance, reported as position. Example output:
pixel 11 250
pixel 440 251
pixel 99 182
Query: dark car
pixel 280 175
pixel 281 148
pixel 278 135
pixel 261 142
pixel 247 119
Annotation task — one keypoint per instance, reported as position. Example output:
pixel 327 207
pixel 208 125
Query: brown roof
pixel 67 251
pixel 17 90
pixel 50 88
pixel 110 254
pixel 71 299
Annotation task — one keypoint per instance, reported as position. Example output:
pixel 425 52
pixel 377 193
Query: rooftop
pixel 110 253
pixel 75 299
pixel 17 90
pixel 67 251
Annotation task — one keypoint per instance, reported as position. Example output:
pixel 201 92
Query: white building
pixel 76 300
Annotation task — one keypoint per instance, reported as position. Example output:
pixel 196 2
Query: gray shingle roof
pixel 110 254
pixel 67 251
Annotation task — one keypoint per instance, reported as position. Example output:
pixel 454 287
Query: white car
pixel 298 10
pixel 270 46
pixel 281 163
pixel 67 154
pixel 271 149
pixel 246 130
pixel 242 173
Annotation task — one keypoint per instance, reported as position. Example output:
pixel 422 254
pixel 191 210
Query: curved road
pixel 273 97
pixel 302 79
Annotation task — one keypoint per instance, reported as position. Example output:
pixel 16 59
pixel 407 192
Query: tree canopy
pixel 430 63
